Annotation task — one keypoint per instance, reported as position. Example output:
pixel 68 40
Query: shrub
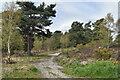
pixel 114 61
pixel 65 52
pixel 34 69
pixel 37 44
pixel 103 53
pixel 80 46
pixel 96 44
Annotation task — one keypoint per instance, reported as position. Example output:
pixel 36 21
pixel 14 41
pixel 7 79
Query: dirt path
pixel 50 69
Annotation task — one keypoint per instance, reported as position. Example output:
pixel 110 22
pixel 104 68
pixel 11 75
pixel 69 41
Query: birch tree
pixel 8 19
pixel 109 24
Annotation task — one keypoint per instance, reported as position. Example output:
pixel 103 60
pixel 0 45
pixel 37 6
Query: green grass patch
pixel 23 68
pixel 100 69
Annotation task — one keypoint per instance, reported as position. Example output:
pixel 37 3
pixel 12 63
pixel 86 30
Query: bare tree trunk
pixel 9 47
pixel 30 42
pixel 9 44
pixel 28 45
pixel 108 39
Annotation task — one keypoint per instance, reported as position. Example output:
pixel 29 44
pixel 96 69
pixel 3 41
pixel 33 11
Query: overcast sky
pixel 70 11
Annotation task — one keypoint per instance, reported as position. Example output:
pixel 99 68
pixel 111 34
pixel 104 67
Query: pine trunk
pixel 42 42
pixel 28 46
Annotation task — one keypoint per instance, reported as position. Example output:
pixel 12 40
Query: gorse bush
pixel 114 61
pixel 103 53
pixel 80 46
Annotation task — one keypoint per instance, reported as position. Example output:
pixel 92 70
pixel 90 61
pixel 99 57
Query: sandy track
pixel 50 69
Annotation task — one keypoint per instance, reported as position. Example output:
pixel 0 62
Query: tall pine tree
pixel 34 20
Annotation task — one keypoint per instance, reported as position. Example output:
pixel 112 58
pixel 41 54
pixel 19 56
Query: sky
pixel 67 12
pixel 82 11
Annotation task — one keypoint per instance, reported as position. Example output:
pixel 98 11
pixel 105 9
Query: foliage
pixel 96 43
pixel 56 37
pixel 103 53
pixel 64 40
pixel 114 61
pixel 79 34
pixel 88 32
pixel 76 33
pixel 100 32
pixel 67 51
pixel 80 46
pixel 37 45
pixel 49 44
pixel 16 41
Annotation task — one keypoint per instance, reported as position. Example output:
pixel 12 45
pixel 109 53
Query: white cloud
pixel 65 26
